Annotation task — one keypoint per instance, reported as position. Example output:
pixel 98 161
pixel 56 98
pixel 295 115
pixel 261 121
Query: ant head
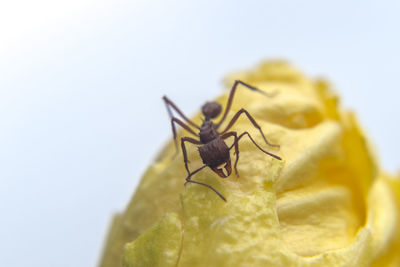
pixel 224 169
pixel 211 110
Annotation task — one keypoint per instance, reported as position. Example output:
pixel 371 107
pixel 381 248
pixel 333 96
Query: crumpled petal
pixel 326 203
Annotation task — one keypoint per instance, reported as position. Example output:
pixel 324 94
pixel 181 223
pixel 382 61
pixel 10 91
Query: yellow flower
pixel 327 203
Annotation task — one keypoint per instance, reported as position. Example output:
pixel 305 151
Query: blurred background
pixel 80 97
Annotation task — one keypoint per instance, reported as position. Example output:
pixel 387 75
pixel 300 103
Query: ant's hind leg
pixel 169 104
pixel 232 94
pixel 183 125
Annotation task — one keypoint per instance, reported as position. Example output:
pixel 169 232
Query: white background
pixel 80 97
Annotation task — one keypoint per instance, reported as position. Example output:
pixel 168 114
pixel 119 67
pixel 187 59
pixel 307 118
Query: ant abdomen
pixel 211 110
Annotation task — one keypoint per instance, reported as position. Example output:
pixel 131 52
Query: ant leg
pixel 169 103
pixel 266 152
pixel 185 159
pixel 192 173
pixel 255 124
pixel 209 186
pixel 183 125
pixel 236 145
pixel 232 94
pixel 189 180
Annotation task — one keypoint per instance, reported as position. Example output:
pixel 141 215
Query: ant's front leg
pixel 189 180
pixel 190 174
pixel 236 145
pixel 185 158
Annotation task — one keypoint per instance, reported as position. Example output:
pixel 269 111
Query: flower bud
pixel 326 203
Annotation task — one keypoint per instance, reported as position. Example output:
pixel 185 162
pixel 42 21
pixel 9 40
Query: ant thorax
pixel 208 132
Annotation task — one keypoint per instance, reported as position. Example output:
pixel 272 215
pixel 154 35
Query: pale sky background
pixel 80 97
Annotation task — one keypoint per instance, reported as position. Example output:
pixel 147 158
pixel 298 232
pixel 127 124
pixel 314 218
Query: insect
pixel 213 150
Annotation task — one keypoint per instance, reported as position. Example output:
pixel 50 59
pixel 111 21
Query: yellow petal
pixel 163 242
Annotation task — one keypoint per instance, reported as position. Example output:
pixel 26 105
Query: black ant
pixel 212 148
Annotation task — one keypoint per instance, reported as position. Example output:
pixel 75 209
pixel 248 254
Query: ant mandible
pixel 212 147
